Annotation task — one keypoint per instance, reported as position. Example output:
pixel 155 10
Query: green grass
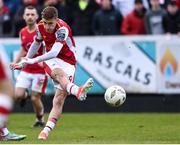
pixel 99 128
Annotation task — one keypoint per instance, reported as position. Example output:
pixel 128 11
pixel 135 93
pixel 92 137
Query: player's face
pixel 30 16
pixel 49 25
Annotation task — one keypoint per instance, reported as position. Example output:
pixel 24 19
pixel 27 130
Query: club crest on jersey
pixel 60 34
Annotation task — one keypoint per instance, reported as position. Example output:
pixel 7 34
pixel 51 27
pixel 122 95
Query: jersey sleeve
pixel 62 34
pixel 38 37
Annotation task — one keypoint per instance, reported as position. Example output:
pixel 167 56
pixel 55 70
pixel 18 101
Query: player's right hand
pixel 18 66
pixel 12 65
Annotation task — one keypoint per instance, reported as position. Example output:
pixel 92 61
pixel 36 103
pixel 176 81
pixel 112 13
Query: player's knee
pixel 18 96
pixel 35 97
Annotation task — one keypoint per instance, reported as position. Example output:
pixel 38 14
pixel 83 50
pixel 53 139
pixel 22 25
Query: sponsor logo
pixel 60 34
pixel 116 65
pixel 168 64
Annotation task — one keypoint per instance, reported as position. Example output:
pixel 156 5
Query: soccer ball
pixel 115 96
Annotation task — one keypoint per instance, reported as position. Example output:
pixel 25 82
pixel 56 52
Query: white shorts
pixel 69 69
pixel 35 82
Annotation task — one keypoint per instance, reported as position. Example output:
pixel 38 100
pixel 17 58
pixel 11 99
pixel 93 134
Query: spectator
pixel 133 23
pixel 65 11
pixel 154 18
pixel 166 2
pixel 13 6
pixel 172 19
pixel 106 21
pixel 126 6
pixel 5 20
pixel 83 11
pixel 18 18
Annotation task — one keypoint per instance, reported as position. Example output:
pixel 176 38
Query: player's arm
pixel 22 53
pixel 31 52
pixel 33 49
pixel 35 45
pixel 56 48
pixel 61 36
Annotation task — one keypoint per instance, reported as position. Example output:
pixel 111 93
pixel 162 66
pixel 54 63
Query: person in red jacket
pixel 133 23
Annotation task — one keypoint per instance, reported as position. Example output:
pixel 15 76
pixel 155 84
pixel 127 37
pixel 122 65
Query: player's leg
pixel 21 96
pixel 23 82
pixel 61 71
pixel 6 93
pixel 58 102
pixel 38 88
pixel 6 102
pixel 38 109
pixel 80 92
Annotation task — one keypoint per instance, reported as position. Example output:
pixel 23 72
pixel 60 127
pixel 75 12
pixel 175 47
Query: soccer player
pixel 32 75
pixel 6 103
pixel 59 63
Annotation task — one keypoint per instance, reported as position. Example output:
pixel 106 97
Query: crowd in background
pixel 99 17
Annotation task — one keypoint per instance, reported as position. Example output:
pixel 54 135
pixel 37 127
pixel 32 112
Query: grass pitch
pixel 99 128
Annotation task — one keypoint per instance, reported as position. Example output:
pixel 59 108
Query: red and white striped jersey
pixel 63 34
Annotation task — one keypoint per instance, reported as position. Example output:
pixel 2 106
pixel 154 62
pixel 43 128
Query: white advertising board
pixel 140 64
pixel 168 66
pixel 112 60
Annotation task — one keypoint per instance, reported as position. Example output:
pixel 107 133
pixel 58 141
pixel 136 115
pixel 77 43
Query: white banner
pixel 112 60
pixel 168 66
pixel 140 64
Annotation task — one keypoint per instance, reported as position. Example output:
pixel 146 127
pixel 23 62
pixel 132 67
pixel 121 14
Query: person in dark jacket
pixel 82 13
pixel 5 21
pixel 171 20
pixel 107 20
